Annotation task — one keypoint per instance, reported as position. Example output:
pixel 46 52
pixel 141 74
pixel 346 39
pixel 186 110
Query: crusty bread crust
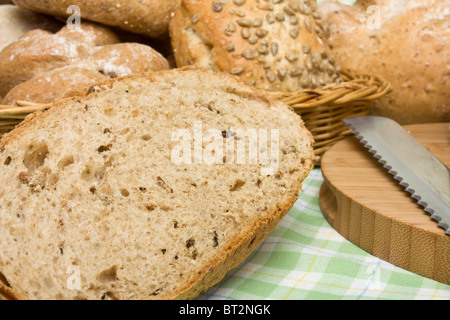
pixel 148 17
pixel 236 250
pixel 237 253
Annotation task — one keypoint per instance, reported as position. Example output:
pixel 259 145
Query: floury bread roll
pixel 15 22
pixel 42 66
pixel 39 51
pixel 410 48
pixel 95 184
pixel 277 45
pixel 54 85
pixel 148 17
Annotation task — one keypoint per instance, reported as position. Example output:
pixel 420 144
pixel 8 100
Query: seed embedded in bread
pixel 244 22
pixel 274 48
pixel 279 16
pixel 253 39
pixel 293 20
pixel 258 22
pixel 230 46
pixel 294 31
pixel 249 54
pixel 230 29
pixel 217 6
pixel 291 57
pixel 239 2
pixel 270 17
pixel 237 70
pixel 282 74
pixel 261 33
pixel 308 23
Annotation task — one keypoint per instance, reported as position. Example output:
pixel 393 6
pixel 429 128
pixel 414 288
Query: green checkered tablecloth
pixel 306 259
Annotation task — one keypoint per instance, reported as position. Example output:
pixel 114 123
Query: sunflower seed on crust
pixel 282 74
pixel 217 6
pixel 270 17
pixel 274 48
pixel 249 54
pixel 230 29
pixel 243 22
pixel 245 33
pixel 237 70
pixel 271 76
pixel 261 32
pixel 294 32
pixel 230 46
pixel 257 23
pixel 239 2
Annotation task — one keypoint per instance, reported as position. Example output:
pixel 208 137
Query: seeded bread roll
pixel 410 49
pixel 92 191
pixel 42 66
pixel 274 45
pixel 15 22
pixel 148 17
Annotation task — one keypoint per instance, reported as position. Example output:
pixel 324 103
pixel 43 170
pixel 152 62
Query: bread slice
pixel 94 204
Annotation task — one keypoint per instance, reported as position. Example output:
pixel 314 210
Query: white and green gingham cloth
pixel 306 259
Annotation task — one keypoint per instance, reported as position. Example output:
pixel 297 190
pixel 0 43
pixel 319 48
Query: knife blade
pixel 423 175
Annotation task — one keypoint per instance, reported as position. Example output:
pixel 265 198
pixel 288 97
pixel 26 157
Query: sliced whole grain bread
pixel 94 204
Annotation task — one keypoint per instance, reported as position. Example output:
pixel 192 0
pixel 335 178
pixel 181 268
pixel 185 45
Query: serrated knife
pixel 423 175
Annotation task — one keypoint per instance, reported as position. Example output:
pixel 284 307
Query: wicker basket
pixel 322 109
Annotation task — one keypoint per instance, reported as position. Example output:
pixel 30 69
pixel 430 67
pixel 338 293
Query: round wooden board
pixel 363 202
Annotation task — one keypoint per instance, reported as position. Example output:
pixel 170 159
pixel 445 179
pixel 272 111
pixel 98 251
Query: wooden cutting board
pixel 368 207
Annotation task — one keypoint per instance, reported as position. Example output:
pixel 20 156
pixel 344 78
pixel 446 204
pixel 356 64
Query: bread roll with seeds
pixel 147 17
pixel 277 45
pixel 91 184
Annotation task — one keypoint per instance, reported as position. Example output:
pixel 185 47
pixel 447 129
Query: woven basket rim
pixel 354 87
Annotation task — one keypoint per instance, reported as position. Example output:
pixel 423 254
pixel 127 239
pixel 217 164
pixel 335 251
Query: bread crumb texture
pixel 89 185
